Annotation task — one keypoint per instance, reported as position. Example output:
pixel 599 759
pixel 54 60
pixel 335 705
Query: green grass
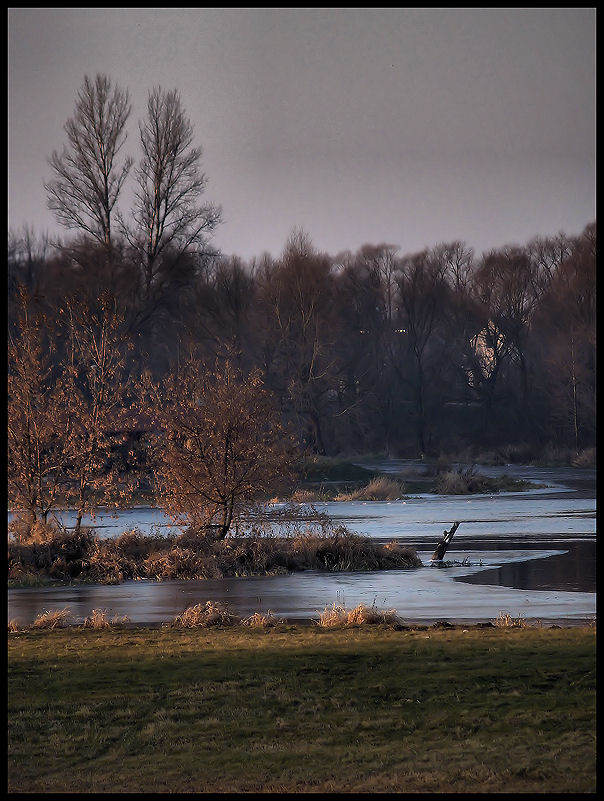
pixel 302 709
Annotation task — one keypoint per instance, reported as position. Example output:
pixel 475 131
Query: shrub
pixel 451 482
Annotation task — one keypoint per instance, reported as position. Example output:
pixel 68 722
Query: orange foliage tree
pixel 97 397
pixel 34 426
pixel 221 448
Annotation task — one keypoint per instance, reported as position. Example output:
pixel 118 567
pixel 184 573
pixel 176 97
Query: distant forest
pixel 373 351
pixel 369 351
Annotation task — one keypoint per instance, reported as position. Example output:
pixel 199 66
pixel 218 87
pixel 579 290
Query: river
pixel 527 554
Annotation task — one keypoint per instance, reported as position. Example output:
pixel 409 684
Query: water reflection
pixel 573 571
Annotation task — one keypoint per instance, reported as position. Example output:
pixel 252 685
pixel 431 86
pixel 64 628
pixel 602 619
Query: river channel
pixel 528 554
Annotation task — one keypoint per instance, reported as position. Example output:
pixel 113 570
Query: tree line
pixel 369 351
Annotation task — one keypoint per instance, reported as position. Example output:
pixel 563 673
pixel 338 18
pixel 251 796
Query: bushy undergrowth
pixel 69 557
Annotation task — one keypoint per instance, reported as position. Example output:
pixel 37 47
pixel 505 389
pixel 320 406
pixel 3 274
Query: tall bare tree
pixel 88 173
pixel 168 218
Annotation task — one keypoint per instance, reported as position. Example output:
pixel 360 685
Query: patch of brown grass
pixel 262 620
pixel 99 619
pixel 305 496
pixel 205 615
pixel 505 620
pixel 52 619
pixel 338 615
pixel 380 488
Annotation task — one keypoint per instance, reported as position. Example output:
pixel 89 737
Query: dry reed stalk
pixel 260 620
pixel 505 620
pixel 98 619
pixel 381 488
pixel 338 615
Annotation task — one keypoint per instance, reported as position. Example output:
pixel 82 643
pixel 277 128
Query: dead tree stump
pixel 442 546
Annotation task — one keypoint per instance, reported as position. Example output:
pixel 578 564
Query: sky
pixel 410 127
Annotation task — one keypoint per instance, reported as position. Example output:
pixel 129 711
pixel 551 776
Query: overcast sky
pixel 411 127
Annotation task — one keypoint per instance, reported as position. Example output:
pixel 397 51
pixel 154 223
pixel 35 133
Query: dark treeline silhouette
pixel 371 351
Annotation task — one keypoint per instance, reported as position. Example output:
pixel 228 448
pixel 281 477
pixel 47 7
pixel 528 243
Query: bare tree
pixel 296 296
pixel 222 447
pixel 167 214
pixel 34 463
pixel 88 176
pixel 423 293
pixel 97 395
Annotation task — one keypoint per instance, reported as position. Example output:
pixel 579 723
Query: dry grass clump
pixel 338 615
pixel 262 620
pixel 344 551
pixel 305 496
pixel 380 488
pixel 98 619
pixel 451 482
pixel 505 620
pixel 52 619
pixel 205 615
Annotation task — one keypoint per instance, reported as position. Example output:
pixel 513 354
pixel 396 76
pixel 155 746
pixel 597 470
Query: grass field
pixel 302 709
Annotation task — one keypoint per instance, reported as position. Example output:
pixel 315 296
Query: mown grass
pixel 302 709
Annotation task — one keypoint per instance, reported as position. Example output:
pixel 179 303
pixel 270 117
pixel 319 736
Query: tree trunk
pixel 442 546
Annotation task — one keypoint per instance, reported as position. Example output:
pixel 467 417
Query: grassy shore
pixel 295 708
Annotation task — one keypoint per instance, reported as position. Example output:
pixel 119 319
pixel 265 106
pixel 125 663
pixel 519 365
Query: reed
pixel 99 619
pixel 205 615
pixel 380 488
pixel 52 619
pixel 338 615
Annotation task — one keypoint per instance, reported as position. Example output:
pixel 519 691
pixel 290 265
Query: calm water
pixel 529 554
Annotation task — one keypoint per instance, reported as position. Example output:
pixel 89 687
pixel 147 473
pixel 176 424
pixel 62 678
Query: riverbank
pixel 60 555
pixel 294 708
